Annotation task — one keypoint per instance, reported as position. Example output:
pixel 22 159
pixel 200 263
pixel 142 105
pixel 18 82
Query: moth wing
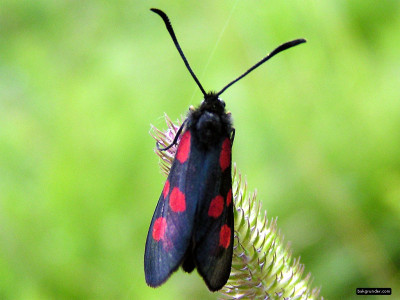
pixel 171 226
pixel 213 234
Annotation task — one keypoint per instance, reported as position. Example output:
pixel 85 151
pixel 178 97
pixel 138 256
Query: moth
pixel 193 223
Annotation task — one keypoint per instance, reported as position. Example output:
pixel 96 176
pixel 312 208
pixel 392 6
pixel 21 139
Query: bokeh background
pixel 317 133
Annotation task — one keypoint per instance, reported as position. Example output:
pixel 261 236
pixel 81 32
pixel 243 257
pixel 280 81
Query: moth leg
pixel 232 135
pixel 175 139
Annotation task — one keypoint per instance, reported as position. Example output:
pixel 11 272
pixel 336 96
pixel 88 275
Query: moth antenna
pixel 172 34
pixel 281 48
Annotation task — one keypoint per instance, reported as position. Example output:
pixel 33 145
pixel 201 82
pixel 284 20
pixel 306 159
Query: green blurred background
pixel 317 133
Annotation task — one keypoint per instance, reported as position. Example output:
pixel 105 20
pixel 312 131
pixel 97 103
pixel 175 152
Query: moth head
pixel 213 103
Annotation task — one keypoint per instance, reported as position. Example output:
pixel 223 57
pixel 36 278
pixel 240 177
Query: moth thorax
pixel 209 128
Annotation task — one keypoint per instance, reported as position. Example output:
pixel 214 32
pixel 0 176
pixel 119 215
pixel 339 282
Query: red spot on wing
pixel 184 147
pixel 225 236
pixel 166 189
pixel 229 198
pixel 159 227
pixel 177 200
pixel 216 207
pixel 225 156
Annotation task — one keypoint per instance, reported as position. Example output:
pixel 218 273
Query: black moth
pixel 192 225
